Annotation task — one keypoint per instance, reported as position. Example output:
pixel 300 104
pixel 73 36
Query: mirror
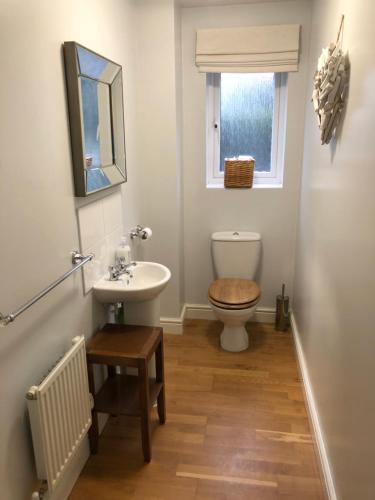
pixel 96 114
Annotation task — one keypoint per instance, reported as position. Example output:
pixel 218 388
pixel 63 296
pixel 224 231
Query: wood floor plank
pixel 187 419
pixel 228 479
pixel 285 437
pixel 237 427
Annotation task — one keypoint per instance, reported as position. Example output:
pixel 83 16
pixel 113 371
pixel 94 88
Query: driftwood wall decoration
pixel 330 87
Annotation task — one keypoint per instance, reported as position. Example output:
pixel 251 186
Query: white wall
pixel 38 224
pixel 335 279
pixel 272 212
pixel 158 156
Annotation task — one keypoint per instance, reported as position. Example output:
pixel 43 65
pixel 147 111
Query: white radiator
pixel 60 414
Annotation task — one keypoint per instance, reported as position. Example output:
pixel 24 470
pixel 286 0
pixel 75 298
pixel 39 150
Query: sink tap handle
pixel 113 273
pixel 121 264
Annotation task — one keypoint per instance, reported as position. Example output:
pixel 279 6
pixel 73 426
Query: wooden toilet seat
pixel 233 293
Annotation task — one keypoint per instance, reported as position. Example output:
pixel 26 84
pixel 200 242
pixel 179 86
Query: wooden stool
pixel 127 345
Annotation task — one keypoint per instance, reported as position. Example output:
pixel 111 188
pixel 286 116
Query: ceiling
pixel 204 3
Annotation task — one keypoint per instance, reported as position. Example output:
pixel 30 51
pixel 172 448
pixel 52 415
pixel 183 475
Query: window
pixel 246 117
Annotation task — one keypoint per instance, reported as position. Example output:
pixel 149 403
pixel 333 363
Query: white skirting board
pixel 75 468
pixel 204 311
pixel 174 325
pixel 72 473
pixel 313 414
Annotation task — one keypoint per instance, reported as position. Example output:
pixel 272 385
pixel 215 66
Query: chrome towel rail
pixel 78 260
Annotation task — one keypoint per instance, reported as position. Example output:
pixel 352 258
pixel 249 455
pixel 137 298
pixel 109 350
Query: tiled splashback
pixel 100 229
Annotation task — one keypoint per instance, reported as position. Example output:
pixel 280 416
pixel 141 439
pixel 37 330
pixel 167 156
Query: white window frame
pixel 274 178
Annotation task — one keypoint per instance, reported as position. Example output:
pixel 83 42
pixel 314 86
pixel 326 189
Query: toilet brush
pixel 282 320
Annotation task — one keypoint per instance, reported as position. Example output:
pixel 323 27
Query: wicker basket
pixel 239 173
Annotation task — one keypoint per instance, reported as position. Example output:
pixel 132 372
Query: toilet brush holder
pixel 282 320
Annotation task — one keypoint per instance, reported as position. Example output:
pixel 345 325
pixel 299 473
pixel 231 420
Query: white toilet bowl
pixel 234 302
pixel 234 337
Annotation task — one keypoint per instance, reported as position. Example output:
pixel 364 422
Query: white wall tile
pixel 112 242
pixel 101 228
pixel 112 212
pixel 91 224
pixel 95 269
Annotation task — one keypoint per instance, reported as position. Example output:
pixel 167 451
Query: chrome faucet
pixel 121 268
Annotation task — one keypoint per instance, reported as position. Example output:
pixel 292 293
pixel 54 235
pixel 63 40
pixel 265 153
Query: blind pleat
pixel 253 49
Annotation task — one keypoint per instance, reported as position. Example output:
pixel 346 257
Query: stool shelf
pixel 119 395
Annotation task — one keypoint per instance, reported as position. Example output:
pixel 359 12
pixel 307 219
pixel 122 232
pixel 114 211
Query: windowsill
pixel 255 186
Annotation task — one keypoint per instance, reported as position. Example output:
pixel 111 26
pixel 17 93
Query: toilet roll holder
pixel 140 232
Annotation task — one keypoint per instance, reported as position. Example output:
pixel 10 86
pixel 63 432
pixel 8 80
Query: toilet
pixel 234 295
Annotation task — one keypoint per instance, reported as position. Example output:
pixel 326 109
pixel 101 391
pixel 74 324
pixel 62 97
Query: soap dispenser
pixel 123 252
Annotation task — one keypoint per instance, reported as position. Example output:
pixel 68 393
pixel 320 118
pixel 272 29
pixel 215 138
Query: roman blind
pixel 253 49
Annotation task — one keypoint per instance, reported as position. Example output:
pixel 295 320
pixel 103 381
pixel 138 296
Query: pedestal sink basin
pixel 149 279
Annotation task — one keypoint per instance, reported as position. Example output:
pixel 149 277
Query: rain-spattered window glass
pixel 246 111
pixel 245 117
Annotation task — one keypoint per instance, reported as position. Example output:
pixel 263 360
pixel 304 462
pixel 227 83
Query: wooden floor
pixel 236 428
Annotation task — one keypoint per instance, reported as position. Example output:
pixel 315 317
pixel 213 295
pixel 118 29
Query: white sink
pixel 149 279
